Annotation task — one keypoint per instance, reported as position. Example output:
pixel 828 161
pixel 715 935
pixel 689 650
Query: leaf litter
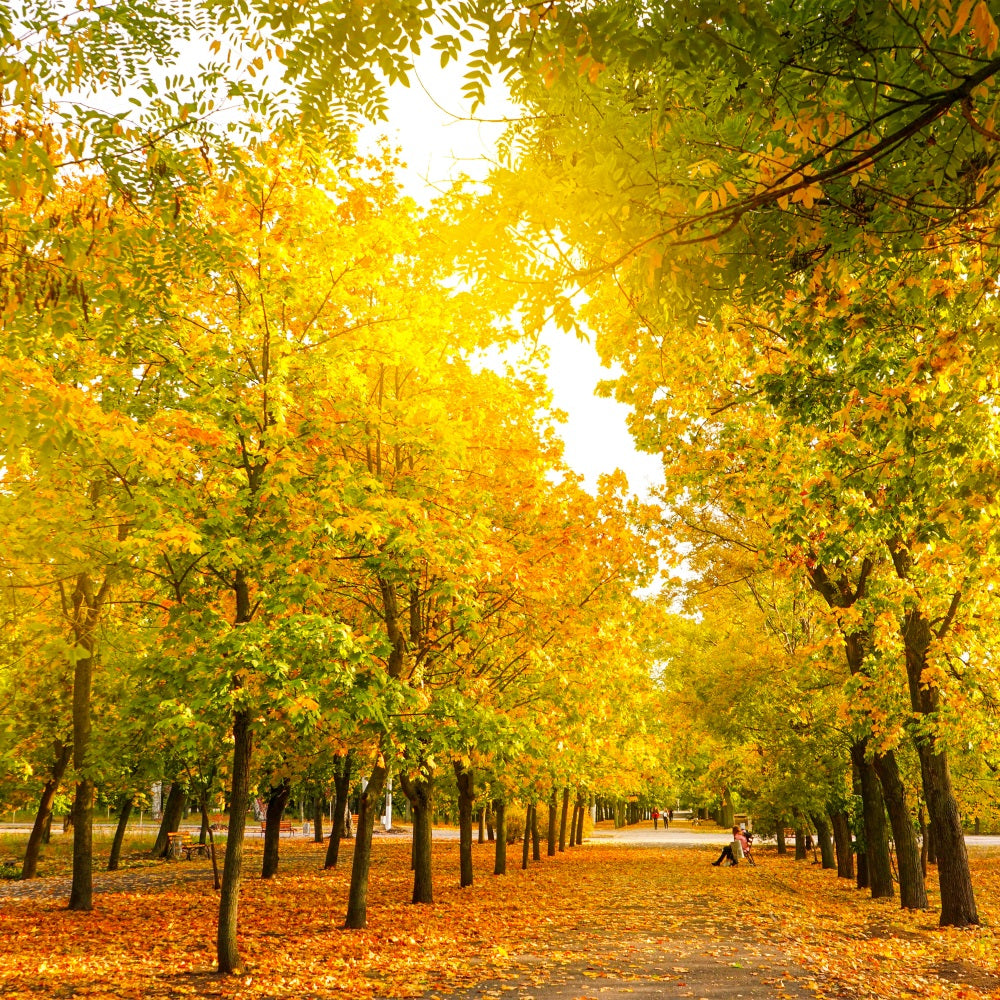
pixel 598 921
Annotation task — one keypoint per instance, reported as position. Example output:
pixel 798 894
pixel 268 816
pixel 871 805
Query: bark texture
pixel 526 840
pixel 173 810
pixel 43 817
pixel 420 794
pixel 842 841
pixel 553 810
pixel 317 811
pixel 124 812
pixel 466 798
pixel 825 837
pixel 878 864
pixel 500 817
pixel 357 903
pixel 341 784
pixel 276 802
pixel 912 891
pixel 564 817
pixel 232 868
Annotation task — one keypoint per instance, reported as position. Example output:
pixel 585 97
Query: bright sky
pixel 429 121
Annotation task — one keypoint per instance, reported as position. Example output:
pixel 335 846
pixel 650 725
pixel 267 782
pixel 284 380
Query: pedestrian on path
pixel 656 816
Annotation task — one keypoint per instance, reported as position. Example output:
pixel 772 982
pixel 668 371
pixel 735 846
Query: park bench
pixel 179 844
pixel 285 826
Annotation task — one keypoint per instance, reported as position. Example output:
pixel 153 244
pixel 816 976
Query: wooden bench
pixel 180 844
pixel 285 826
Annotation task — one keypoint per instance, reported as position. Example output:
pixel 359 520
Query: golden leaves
pixel 798 926
pixel 984 27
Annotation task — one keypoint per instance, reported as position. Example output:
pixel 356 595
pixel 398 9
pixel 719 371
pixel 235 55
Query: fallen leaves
pixel 582 917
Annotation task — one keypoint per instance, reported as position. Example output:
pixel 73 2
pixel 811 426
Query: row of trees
pixel 275 498
pixel 242 405
pixel 785 214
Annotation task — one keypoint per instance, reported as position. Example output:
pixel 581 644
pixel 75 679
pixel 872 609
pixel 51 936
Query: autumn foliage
pixel 637 914
pixel 283 506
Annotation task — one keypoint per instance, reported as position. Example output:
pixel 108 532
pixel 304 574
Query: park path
pixel 614 942
pixel 633 914
pixel 669 937
pixel 140 873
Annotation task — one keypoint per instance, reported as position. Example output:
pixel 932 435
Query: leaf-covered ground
pixel 599 922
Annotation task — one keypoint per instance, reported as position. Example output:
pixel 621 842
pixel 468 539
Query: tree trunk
pixel 43 818
pixel 727 812
pixel 482 825
pixel 864 882
pixel 931 843
pixel 124 812
pixel 173 809
pixel 490 834
pixel 276 802
pixel 357 903
pixel 800 844
pixel 317 811
pixel 563 818
pixel 825 840
pixel 232 868
pixel 81 892
pixel 582 804
pixel 780 837
pixel 879 867
pixel 500 812
pixel 466 797
pixel 206 825
pixel 553 809
pixel 924 836
pixel 420 793
pixel 958 901
pixel 526 846
pixel 842 841
pixel 536 853
pixel 341 785
pixel 912 892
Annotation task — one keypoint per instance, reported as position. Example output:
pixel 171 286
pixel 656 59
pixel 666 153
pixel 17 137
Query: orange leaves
pixel 984 28
pixel 594 915
pixel 974 14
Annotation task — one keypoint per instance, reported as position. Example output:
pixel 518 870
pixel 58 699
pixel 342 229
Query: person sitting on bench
pixel 737 849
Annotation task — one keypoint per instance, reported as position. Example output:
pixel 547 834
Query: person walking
pixel 656 816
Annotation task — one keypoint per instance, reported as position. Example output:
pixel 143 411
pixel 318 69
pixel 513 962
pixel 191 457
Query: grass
pixel 56 857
